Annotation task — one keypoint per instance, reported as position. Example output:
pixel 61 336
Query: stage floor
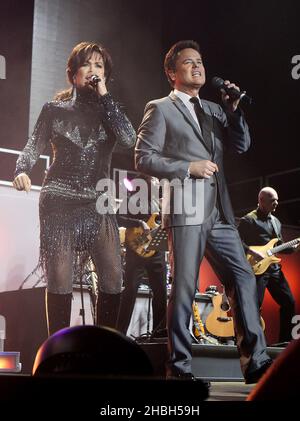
pixel 229 391
pixel 219 391
pixel 217 363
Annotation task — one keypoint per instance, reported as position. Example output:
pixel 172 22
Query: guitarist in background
pixel 257 228
pixel 135 268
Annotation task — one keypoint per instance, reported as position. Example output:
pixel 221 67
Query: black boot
pixel 108 309
pixel 58 311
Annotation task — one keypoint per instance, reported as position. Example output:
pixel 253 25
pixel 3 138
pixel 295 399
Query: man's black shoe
pixel 190 382
pixel 254 376
pixel 182 376
pixel 160 333
pixel 189 377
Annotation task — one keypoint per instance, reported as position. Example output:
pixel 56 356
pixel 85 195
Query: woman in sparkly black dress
pixel 83 125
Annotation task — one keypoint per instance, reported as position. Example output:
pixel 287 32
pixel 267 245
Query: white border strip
pixel 15 152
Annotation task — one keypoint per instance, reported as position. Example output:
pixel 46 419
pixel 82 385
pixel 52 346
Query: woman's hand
pixel 101 87
pixel 22 182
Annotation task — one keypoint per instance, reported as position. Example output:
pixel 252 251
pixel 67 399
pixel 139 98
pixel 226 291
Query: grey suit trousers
pixel 222 246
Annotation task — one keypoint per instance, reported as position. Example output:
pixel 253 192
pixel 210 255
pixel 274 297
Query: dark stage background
pixel 251 43
pixel 16 28
pixel 254 44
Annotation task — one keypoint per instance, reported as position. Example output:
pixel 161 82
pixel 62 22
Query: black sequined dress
pixel 83 132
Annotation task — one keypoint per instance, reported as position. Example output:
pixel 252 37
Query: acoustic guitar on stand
pixel 219 321
pixel 268 251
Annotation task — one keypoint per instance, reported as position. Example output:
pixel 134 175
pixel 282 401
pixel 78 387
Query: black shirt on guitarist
pixel 258 228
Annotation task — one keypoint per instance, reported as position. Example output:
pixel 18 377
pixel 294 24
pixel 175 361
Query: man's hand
pixel 22 182
pixel 256 254
pixel 145 227
pixel 230 104
pixel 296 247
pixel 203 169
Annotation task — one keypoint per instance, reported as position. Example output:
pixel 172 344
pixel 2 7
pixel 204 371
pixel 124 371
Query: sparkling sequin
pixel 83 132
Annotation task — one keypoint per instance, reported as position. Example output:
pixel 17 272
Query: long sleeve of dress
pixel 36 143
pixel 117 122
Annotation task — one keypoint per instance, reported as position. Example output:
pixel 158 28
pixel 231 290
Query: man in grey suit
pixel 182 137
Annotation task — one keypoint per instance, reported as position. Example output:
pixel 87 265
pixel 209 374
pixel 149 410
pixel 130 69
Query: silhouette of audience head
pixel 282 380
pixel 91 351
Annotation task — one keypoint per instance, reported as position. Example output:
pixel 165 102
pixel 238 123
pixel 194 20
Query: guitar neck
pixel 284 246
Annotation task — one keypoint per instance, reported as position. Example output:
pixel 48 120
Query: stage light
pixel 128 184
pixel 91 351
pixel 281 382
pixel 10 362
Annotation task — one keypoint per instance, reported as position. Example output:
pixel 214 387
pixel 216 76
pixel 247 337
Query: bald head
pixel 267 200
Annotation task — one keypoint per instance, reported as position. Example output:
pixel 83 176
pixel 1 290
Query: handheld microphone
pixel 233 93
pixel 94 80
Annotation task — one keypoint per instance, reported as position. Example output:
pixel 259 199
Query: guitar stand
pixel 88 273
pixel 40 277
pixel 82 310
pixel 148 335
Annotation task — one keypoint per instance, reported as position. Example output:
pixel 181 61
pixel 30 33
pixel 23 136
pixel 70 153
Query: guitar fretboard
pixel 284 246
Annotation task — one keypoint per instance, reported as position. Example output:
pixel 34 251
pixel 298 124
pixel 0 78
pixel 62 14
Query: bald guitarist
pixel 258 228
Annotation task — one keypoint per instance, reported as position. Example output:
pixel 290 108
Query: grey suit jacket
pixel 169 139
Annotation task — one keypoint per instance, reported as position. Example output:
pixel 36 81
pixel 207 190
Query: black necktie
pixel 204 122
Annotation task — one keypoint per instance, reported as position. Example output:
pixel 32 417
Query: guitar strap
pixel 276 228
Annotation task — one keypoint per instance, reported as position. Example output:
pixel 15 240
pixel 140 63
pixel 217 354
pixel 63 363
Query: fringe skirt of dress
pixel 69 229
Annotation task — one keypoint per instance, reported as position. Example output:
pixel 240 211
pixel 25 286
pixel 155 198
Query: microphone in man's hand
pixel 233 93
pixel 94 80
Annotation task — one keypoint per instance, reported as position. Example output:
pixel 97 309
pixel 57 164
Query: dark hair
pixel 80 53
pixel 172 55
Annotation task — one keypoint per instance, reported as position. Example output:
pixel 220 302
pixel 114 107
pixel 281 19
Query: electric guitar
pixel 268 251
pixel 198 327
pixel 147 244
pixel 219 322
